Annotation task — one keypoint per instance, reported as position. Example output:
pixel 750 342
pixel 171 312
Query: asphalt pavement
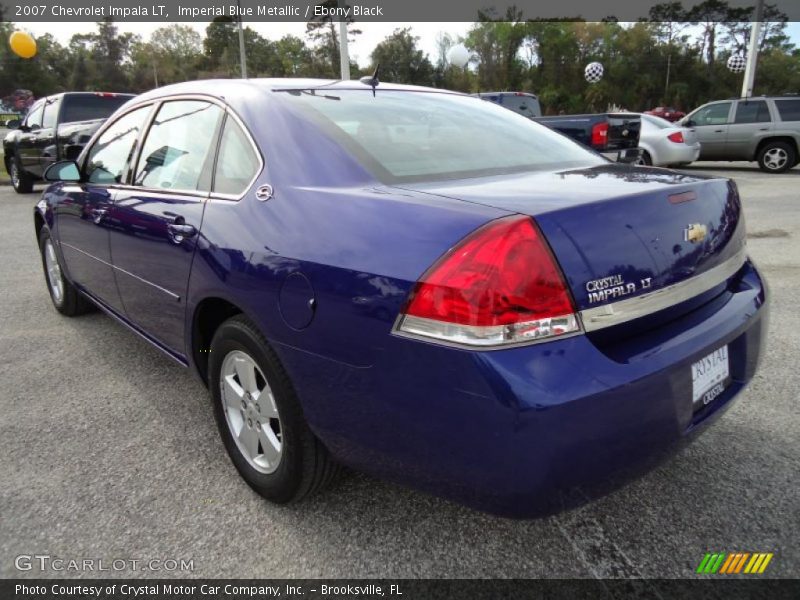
pixel 108 450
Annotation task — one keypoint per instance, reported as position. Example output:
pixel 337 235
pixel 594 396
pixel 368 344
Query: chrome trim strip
pixel 121 270
pixel 397 329
pixel 629 309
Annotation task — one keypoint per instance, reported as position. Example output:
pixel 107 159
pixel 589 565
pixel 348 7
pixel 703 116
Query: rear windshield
pixel 657 122
pixel 90 106
pixel 403 136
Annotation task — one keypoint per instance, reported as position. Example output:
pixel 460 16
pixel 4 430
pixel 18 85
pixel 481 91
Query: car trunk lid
pixel 624 232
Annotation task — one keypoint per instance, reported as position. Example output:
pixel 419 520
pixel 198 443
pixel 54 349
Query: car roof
pixel 243 88
pixel 97 93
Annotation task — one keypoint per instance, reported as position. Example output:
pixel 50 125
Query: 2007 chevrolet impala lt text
pixel 410 282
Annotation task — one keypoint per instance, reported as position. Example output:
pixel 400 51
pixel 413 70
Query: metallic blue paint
pixel 512 431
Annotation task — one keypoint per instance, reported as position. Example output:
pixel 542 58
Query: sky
pixel 372 33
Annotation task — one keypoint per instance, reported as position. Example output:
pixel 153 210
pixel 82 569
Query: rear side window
pixel 87 107
pixel 178 150
pixel 237 163
pixel 111 154
pixel 715 114
pixel 789 110
pixel 752 112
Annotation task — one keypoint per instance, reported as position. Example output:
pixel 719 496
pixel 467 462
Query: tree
pixel 773 32
pixel 323 32
pixel 497 44
pixel 401 61
pixel 670 22
pixel 295 57
pixel 110 51
pixel 221 48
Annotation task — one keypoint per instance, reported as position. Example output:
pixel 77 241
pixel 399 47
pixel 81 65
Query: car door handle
pixel 763 128
pixel 181 231
pixel 98 214
pixel 719 130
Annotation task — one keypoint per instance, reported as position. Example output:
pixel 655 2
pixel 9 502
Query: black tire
pixel 305 466
pixel 644 160
pixel 70 302
pixel 777 157
pixel 20 180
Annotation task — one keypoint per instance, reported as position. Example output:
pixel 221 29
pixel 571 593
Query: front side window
pixel 111 154
pixel 714 114
pixel 752 112
pixel 403 136
pixel 179 148
pixel 237 162
pixel 34 118
pixel 50 114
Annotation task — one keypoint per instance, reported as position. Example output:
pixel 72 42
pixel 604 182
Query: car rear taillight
pixel 500 285
pixel 676 137
pixel 600 135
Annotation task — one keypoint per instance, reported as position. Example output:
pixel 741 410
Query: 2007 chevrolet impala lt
pixel 411 282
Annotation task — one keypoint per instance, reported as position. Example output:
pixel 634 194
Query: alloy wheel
pixel 14 174
pixel 251 412
pixel 54 278
pixel 775 158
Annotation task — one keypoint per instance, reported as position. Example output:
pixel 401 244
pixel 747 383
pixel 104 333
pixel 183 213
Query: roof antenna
pixel 372 80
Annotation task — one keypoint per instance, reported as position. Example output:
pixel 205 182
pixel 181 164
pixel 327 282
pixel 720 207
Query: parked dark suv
pixel 763 129
pixel 56 127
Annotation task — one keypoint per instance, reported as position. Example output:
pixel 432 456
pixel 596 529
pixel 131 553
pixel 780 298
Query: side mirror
pixel 63 170
pixel 688 123
pixel 12 123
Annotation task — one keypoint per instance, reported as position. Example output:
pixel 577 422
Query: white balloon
pixel 458 55
pixel 593 72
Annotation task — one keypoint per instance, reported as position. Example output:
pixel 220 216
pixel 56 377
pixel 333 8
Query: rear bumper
pixel 533 430
pixel 675 154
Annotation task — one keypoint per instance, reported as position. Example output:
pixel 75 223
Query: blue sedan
pixel 410 282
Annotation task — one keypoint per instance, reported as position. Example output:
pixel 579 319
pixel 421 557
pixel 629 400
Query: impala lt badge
pixel 695 233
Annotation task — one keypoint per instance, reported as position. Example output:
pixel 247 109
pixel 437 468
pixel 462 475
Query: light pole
pixel 344 53
pixel 752 52
pixel 242 55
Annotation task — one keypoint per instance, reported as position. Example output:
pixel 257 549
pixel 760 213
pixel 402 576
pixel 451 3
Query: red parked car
pixel 666 112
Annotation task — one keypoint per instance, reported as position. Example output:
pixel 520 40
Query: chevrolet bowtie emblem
pixel 695 233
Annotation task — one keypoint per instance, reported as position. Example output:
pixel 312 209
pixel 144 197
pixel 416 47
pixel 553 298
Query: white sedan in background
pixel 664 143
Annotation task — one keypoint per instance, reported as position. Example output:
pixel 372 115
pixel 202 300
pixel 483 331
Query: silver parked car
pixel 763 129
pixel 666 144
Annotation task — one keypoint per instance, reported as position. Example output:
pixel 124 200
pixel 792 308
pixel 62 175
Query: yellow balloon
pixel 22 44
